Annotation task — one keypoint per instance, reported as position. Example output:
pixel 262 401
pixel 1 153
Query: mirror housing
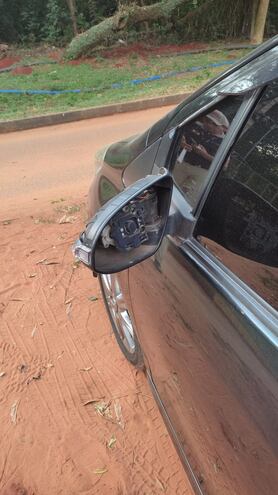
pixel 129 228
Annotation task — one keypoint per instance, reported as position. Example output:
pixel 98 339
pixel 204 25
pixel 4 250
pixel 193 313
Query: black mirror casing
pixel 129 228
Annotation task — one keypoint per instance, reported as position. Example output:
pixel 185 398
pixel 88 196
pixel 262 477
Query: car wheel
pixel 122 324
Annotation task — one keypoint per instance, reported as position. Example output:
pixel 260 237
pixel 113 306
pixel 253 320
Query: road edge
pixel 89 113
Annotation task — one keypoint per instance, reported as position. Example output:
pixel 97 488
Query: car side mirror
pixel 127 229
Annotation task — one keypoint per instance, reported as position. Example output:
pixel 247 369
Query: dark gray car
pixel 184 235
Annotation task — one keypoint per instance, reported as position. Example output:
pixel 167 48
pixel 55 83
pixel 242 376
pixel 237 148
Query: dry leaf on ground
pixel 13 412
pixel 8 221
pixel 49 365
pixel 22 368
pixel 35 377
pixel 100 470
pixel 119 415
pixel 92 401
pixel 161 485
pixel 66 219
pixel 103 408
pixel 33 331
pixel 45 261
pixel 93 298
pixel 41 261
pixel 68 309
pixel 111 442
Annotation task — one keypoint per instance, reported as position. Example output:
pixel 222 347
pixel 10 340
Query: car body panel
pixel 215 373
pixel 209 342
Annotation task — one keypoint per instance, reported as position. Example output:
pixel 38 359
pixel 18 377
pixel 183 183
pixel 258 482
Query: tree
pixel 72 9
pixel 126 16
pixel 211 19
pixel 177 21
pixel 259 14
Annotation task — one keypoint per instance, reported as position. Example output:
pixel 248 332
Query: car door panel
pixel 207 362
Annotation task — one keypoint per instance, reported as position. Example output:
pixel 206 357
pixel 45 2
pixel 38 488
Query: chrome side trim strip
pixel 247 301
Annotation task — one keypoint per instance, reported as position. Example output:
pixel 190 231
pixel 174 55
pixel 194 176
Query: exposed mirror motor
pixel 134 224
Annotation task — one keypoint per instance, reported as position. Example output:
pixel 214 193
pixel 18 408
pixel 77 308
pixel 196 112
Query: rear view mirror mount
pixel 128 228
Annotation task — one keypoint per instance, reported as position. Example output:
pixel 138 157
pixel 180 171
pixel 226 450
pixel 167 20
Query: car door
pixel 205 306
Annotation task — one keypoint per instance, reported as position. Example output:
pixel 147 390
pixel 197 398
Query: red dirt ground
pixel 146 50
pixel 76 418
pixel 122 53
pixel 8 61
pixel 22 71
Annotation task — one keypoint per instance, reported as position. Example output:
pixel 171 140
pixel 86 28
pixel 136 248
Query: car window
pixel 239 222
pixel 178 114
pixel 197 146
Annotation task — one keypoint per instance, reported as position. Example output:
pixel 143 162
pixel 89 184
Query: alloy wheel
pixel 118 310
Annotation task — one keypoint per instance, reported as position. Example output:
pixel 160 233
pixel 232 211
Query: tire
pixel 122 324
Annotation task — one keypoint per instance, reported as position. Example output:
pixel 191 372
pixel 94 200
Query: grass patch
pixel 97 77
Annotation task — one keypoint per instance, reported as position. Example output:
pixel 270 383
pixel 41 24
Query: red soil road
pixel 57 350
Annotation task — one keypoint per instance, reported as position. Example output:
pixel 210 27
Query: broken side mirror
pixel 127 229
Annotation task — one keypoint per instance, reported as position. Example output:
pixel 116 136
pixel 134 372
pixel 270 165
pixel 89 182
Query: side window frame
pixel 241 116
pixel 237 289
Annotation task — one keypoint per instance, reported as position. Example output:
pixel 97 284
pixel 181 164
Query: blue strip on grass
pixel 119 85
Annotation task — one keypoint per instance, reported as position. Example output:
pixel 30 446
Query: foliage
pixel 216 19
pixel 49 20
pixel 40 20
pixel 56 22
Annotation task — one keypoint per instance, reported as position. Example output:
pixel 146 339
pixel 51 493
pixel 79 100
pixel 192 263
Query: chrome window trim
pixel 263 316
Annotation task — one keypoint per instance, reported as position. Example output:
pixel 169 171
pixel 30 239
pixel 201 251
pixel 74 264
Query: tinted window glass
pixel 181 112
pixel 239 222
pixel 197 146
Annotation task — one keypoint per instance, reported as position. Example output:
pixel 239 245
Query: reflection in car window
pixel 245 78
pixel 183 111
pixel 239 223
pixel 198 143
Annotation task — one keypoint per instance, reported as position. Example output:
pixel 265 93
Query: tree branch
pixel 109 29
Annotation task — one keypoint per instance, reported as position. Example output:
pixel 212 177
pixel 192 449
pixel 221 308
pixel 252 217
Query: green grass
pixel 99 76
